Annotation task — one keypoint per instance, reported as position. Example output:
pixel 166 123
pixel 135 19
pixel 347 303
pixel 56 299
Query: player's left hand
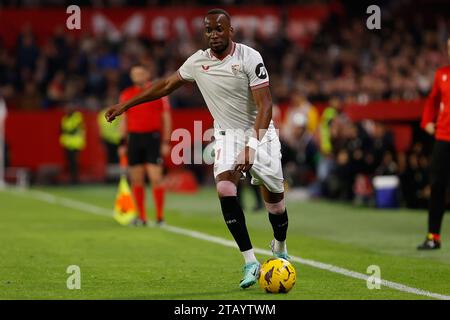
pixel 245 159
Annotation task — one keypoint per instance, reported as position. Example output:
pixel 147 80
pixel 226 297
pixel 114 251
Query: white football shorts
pixel 266 169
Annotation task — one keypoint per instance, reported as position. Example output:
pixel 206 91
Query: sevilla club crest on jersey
pixel 235 68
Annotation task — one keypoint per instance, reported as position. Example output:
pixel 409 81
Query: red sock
pixel 139 196
pixel 158 197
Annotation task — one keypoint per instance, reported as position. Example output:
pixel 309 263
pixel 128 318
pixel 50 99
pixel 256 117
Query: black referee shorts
pixel 144 148
pixel 440 163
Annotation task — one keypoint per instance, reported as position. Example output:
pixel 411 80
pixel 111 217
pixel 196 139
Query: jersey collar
pixel 213 56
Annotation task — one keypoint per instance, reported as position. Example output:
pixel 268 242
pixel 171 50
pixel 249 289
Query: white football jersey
pixel 226 84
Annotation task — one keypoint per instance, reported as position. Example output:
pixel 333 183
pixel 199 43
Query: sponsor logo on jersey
pixel 261 71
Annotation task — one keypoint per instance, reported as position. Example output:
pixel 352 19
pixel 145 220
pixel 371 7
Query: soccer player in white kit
pixel 235 85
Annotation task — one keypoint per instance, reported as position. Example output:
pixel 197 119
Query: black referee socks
pixel 279 225
pixel 235 220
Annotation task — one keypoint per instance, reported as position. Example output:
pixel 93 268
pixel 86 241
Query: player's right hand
pixel 113 112
pixel 245 159
pixel 430 128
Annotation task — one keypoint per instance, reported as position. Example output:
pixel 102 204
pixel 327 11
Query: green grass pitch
pixel 40 238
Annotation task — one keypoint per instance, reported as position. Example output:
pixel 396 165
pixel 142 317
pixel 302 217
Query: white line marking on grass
pixel 66 202
pixel 311 263
pixel 93 209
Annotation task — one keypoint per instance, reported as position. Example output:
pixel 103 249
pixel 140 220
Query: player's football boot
pixel 251 273
pixel 282 255
pixel 430 243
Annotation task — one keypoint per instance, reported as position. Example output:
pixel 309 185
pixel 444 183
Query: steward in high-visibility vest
pixel 72 131
pixel 73 140
pixel 325 133
pixel 110 135
pixel 110 132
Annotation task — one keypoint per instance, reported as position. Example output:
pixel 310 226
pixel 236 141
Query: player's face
pixel 217 32
pixel 139 76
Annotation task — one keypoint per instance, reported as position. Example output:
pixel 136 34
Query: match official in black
pixel 436 121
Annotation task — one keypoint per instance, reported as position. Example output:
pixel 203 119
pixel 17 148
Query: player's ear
pixel 231 30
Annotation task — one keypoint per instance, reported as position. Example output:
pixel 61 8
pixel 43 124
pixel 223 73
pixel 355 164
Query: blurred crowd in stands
pixel 323 151
pixel 336 158
pixel 344 59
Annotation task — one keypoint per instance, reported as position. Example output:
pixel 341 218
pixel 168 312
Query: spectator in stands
pixel 31 98
pixel 415 181
pixel 56 90
pixel 350 144
pixel 299 103
pixel 382 143
pixel 300 152
pixel 27 50
pixel 388 166
pixel 331 123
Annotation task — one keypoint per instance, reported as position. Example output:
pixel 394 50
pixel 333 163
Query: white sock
pixel 249 256
pixel 279 246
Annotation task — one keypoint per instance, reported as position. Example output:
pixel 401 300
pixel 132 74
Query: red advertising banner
pixel 161 23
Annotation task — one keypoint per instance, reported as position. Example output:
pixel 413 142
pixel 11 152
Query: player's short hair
pixel 219 11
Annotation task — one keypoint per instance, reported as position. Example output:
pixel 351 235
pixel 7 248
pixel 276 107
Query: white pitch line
pixel 311 263
pixel 93 209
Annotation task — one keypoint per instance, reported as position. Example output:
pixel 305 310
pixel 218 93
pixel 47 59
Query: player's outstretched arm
pixel 158 90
